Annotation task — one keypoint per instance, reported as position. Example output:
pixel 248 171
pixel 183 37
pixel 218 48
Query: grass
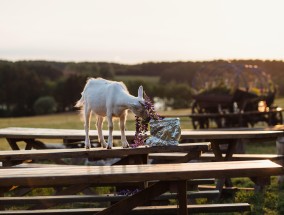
pixel 279 102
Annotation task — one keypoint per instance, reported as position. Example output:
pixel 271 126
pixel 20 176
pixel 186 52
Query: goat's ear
pixel 140 92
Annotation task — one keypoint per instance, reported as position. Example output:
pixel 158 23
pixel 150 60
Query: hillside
pixel 39 87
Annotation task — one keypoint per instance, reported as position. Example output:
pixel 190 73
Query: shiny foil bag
pixel 164 132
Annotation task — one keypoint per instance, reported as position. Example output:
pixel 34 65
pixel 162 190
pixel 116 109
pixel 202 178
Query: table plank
pixel 136 173
pixel 76 134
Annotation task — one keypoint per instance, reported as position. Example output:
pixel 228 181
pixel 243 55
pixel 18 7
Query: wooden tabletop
pixel 135 173
pixel 76 134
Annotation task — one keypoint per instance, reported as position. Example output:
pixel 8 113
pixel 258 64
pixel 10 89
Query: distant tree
pixel 68 91
pixel 180 73
pixel 180 94
pixel 44 69
pixel 83 69
pixel 106 70
pixel 133 86
pixel 19 89
pixel 45 105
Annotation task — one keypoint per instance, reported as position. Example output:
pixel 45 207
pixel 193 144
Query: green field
pixel 279 102
pixel 148 79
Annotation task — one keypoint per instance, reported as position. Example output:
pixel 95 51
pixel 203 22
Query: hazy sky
pixel 132 31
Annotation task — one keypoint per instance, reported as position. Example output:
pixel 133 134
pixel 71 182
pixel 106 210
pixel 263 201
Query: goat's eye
pixel 141 103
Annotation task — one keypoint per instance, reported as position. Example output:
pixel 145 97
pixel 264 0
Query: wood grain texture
pixel 24 200
pixel 75 134
pixel 135 173
pixel 100 153
pixel 149 210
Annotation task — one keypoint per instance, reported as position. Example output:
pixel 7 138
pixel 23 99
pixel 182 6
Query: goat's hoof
pixel 109 147
pixel 127 146
pixel 104 145
pixel 87 147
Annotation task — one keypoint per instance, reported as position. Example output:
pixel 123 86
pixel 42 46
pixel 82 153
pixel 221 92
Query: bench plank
pixel 24 200
pixel 239 157
pixel 169 157
pixel 99 153
pixel 149 210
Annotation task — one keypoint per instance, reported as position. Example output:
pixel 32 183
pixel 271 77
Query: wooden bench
pixel 168 176
pixel 54 200
pixel 130 155
pixel 192 184
pixel 170 157
pixel 149 210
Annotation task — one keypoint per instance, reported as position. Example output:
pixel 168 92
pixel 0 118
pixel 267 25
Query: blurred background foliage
pixel 39 87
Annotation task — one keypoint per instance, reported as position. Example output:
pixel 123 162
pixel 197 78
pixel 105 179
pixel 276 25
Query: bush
pixel 45 105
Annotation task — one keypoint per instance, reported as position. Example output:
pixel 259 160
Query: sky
pixel 132 31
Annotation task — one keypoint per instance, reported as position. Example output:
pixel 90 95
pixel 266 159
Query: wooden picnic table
pixel 165 177
pixel 126 156
pixel 226 142
pixel 217 137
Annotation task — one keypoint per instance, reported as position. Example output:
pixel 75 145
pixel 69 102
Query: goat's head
pixel 138 107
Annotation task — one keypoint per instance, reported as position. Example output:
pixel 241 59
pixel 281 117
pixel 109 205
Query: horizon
pixel 132 32
pixel 145 62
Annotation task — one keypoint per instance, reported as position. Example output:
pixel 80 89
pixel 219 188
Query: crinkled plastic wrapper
pixel 165 132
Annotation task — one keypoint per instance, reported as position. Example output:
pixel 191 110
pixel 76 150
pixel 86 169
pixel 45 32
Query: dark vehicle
pixel 232 95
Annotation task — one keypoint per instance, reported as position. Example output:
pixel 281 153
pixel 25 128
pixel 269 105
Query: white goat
pixel 108 99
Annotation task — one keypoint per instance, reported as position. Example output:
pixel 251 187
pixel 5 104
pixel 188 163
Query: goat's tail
pixel 80 103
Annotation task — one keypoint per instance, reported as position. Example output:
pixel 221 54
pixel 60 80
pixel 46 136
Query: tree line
pixel 41 87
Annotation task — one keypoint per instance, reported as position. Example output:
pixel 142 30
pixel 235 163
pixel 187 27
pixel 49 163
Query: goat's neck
pixel 128 101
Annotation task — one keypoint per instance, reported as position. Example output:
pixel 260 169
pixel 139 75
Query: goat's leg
pixel 87 115
pixel 110 129
pixel 122 121
pixel 100 121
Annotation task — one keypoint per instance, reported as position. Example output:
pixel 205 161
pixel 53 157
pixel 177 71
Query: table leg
pixel 230 151
pixel 217 151
pixel 21 191
pixel 13 144
pixel 260 183
pixel 182 197
pixel 1 195
pixel 124 206
pixel 280 151
pixel 28 146
pixel 188 157
pixel 30 143
pixel 36 144
pixel 219 157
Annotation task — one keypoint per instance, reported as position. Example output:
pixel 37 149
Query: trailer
pixel 233 95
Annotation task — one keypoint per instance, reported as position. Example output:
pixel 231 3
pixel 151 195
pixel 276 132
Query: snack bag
pixel 164 132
